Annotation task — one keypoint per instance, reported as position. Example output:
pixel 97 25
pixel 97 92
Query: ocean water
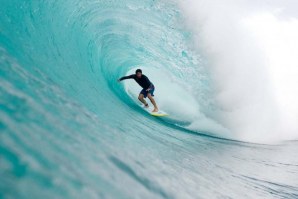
pixel 225 73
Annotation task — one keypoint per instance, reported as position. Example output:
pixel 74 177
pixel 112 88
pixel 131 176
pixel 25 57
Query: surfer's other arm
pixel 126 77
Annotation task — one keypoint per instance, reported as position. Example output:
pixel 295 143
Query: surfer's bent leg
pixel 153 102
pixel 141 98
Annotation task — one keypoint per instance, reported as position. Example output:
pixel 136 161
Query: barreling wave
pixel 83 45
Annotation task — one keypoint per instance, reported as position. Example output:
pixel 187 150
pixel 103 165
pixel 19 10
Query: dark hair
pixel 138 71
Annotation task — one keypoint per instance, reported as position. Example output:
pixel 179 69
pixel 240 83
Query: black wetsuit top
pixel 144 82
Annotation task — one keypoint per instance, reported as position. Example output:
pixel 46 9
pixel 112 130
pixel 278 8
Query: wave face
pixel 68 129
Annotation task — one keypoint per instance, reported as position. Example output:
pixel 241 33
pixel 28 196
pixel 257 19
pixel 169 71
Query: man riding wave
pixel 146 84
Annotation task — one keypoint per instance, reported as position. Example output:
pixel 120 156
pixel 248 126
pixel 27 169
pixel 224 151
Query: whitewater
pixel 225 72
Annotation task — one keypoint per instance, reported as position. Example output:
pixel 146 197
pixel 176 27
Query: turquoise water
pixel 68 129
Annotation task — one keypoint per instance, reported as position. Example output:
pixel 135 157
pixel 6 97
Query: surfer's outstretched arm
pixel 126 77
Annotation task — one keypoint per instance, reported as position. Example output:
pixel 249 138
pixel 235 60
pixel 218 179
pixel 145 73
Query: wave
pixel 230 83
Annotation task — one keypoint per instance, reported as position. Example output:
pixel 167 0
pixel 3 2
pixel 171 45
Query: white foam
pixel 252 49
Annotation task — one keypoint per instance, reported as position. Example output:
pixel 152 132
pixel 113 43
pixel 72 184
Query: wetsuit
pixel 144 82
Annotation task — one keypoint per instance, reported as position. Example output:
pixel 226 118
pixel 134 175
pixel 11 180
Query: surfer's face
pixel 139 75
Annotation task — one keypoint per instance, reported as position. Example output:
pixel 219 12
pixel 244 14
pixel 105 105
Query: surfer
pixel 148 88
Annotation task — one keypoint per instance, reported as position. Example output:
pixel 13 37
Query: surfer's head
pixel 139 73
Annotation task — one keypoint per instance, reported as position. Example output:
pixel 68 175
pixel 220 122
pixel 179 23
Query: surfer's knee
pixel 141 97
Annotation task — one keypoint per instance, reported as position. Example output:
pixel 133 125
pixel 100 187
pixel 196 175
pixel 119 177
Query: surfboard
pixel 149 110
pixel 159 114
pixel 156 114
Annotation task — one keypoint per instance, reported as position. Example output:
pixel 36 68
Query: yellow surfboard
pixel 158 114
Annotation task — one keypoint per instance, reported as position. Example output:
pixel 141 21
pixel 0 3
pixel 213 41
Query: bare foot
pixel 155 110
pixel 146 105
